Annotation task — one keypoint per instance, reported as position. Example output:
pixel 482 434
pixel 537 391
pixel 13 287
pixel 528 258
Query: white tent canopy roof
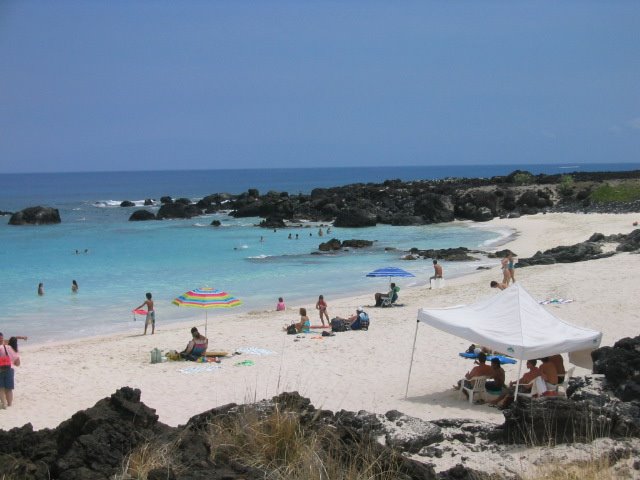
pixel 512 322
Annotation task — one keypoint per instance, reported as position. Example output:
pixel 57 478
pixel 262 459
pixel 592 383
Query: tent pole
pixel 206 321
pixel 413 349
pixel 515 396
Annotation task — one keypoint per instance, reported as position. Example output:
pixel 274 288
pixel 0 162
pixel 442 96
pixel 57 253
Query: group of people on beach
pixel 303 325
pixel 507 265
pixel 551 372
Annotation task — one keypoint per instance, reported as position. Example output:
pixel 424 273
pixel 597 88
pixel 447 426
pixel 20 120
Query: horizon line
pixel 566 165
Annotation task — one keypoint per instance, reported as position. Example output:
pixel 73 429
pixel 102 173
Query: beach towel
pixel 255 351
pixel 502 358
pixel 245 363
pixel 199 369
pixel 556 301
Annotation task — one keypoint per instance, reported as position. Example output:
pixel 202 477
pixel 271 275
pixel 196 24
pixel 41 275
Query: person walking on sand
pixel 41 289
pixel 321 306
pixel 8 358
pixel 151 314
pixel 74 286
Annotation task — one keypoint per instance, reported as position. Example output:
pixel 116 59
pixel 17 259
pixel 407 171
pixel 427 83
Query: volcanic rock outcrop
pixel 36 216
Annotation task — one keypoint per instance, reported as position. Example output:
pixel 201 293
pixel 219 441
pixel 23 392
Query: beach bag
pixel 338 325
pixel 291 329
pixel 156 356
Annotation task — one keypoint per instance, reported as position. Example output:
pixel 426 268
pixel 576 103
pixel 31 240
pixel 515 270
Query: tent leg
pixel 206 322
pixel 515 395
pixel 413 349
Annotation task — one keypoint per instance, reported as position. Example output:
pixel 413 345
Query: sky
pixel 164 85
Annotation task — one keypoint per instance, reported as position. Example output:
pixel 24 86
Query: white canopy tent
pixel 511 322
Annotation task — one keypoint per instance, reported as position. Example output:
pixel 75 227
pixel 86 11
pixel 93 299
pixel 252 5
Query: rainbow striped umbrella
pixel 206 298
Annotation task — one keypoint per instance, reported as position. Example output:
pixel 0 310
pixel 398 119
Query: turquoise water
pixel 126 259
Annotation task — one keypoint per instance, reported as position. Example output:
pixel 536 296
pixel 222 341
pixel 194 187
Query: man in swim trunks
pixel 151 314
pixel 511 267
pixel 437 272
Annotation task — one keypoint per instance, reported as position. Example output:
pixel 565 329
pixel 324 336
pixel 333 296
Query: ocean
pixel 116 261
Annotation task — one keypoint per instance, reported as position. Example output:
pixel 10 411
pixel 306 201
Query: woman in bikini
pixel 321 306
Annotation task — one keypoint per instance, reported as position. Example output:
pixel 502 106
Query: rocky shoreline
pixel 394 202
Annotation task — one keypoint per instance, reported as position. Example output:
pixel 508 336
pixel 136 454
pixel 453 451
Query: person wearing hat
pixel 359 321
pixel 8 358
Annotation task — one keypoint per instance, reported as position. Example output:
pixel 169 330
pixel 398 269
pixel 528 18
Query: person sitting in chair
pixel 391 297
pixel 496 384
pixel 196 347
pixel 507 397
pixel 549 373
pixel 481 370
pixel 559 364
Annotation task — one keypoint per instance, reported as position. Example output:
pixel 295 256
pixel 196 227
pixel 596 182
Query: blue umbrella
pixel 390 272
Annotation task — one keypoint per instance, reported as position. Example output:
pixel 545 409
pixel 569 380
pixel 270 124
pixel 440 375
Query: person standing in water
pixel 41 289
pixel 151 314
pixel 74 286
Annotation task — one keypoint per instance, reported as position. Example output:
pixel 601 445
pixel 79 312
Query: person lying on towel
pixel 196 347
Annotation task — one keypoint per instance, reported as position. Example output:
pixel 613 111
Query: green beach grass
pixel 627 191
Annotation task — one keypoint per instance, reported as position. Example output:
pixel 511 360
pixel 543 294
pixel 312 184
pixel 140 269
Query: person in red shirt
pixel 8 358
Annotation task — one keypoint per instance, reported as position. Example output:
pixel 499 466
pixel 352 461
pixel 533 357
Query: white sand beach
pixel 352 370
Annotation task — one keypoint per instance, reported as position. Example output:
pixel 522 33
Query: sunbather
pixel 496 384
pixel 481 370
pixel 359 321
pixel 507 397
pixel 196 347
pixel 304 325
pixel 549 372
pixel 559 364
pixel 391 296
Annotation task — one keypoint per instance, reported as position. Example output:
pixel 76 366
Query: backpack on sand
pixel 291 330
pixel 338 325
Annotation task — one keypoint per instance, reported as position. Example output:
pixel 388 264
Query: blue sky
pixel 133 85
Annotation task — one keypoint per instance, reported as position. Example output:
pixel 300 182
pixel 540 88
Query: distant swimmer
pixel 328 230
pixel 296 236
pixel 41 289
pixel 74 286
pixel 151 314
pixel 320 232
pixel 289 236
pixel 261 239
